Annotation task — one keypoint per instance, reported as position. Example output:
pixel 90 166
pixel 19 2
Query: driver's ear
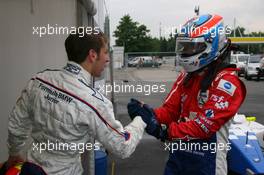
pixel 92 56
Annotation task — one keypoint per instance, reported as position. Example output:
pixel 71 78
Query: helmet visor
pixel 187 47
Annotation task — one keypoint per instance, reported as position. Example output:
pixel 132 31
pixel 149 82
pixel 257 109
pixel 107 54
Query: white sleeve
pixel 110 132
pixel 19 125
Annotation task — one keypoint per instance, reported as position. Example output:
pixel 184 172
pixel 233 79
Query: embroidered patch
pixel 227 87
pixel 72 68
pixel 216 98
pixel 192 115
pixel 202 98
pixel 209 113
pixel 222 105
pixel 204 128
pixel 206 121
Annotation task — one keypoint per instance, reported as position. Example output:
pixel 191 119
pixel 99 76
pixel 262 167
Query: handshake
pixel 136 108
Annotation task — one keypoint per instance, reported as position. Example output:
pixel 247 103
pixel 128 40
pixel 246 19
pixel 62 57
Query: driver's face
pixel 101 61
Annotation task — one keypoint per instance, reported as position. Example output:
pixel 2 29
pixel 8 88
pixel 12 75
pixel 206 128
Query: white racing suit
pixel 61 111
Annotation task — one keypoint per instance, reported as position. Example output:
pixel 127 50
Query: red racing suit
pixel 201 118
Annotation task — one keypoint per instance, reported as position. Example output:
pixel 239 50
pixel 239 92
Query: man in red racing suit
pixel 197 112
pixel 202 120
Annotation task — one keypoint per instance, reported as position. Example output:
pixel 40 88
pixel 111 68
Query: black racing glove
pixel 135 108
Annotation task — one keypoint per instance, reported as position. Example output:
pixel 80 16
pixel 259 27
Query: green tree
pixel 122 33
pixel 131 35
pixel 168 45
pixel 163 44
pixel 171 43
pixel 155 45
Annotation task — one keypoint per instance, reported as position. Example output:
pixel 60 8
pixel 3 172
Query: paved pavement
pixel 150 156
pixel 254 102
pixel 163 74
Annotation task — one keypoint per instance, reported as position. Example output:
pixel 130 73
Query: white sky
pixel 173 13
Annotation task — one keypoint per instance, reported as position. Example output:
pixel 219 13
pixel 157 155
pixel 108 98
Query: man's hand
pixel 153 127
pixel 136 108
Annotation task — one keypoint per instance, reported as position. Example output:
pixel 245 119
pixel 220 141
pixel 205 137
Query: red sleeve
pixel 170 110
pixel 225 97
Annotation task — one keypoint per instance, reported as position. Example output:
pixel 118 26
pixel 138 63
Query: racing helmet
pixel 200 42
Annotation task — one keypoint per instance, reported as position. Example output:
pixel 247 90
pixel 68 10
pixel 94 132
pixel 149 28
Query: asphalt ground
pixel 150 156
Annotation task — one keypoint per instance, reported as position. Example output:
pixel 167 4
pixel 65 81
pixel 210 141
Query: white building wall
pixel 23 54
pixel 100 15
pixel 118 56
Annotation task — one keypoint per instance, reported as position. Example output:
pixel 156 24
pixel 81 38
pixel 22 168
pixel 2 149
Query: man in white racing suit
pixel 61 112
